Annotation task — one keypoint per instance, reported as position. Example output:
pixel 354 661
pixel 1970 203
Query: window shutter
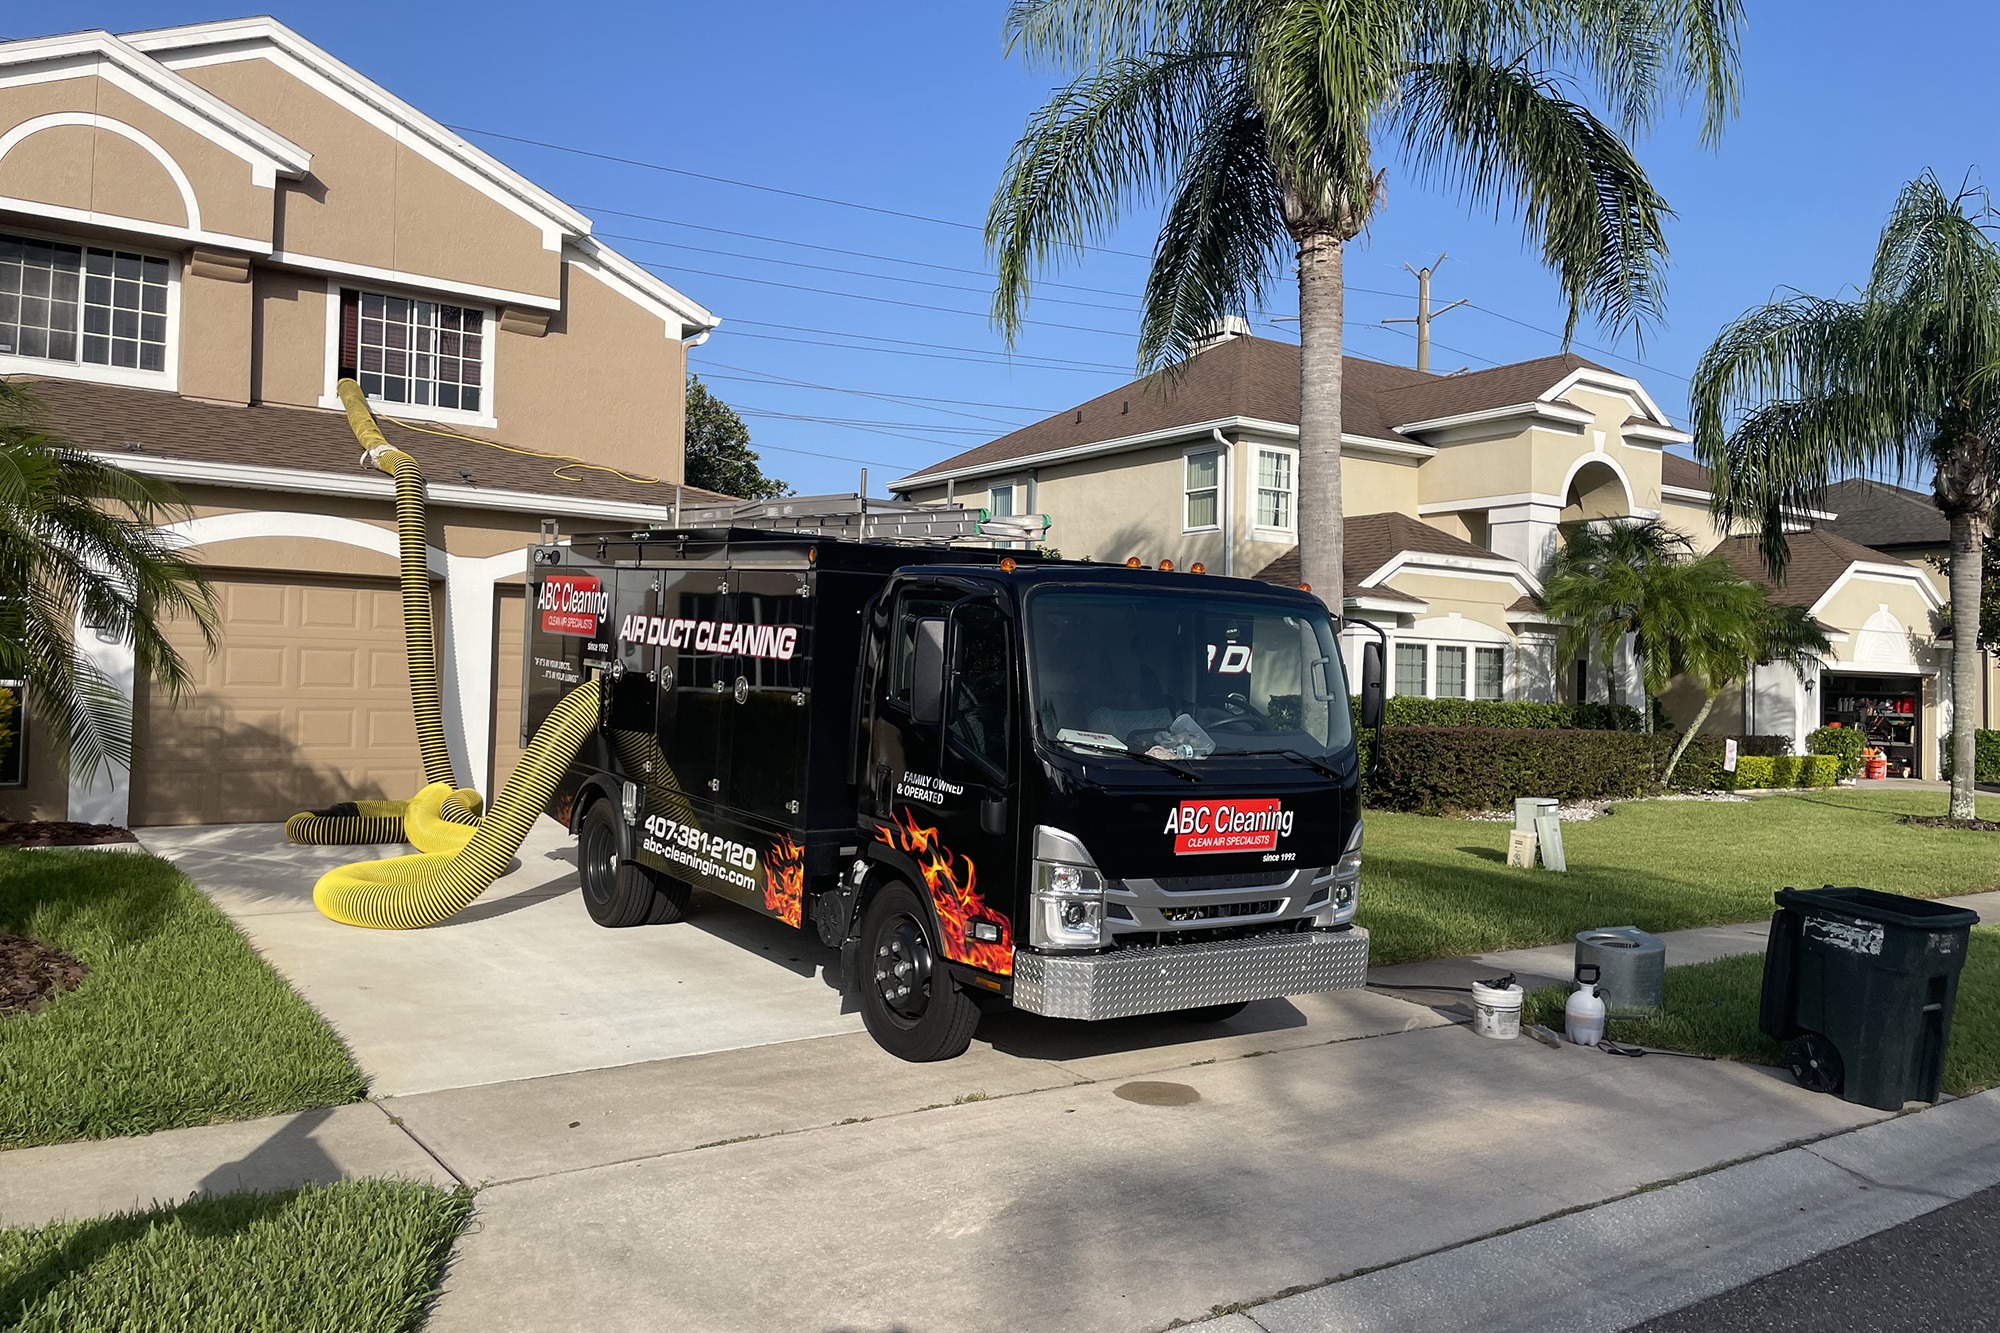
pixel 349 360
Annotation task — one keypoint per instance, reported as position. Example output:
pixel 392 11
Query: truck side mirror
pixel 1371 685
pixel 927 672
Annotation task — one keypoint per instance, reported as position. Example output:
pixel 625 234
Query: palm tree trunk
pixel 1687 737
pixel 1322 544
pixel 1966 541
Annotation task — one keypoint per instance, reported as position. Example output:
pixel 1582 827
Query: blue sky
pixel 913 109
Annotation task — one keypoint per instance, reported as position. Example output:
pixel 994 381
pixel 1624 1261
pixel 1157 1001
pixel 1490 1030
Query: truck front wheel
pixel 909 1002
pixel 618 891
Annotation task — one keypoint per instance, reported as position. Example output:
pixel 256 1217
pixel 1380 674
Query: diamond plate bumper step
pixel 1188 976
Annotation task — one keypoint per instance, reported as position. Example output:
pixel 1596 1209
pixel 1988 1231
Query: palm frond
pixel 1108 137
pixel 1222 236
pixel 1074 34
pixel 1505 136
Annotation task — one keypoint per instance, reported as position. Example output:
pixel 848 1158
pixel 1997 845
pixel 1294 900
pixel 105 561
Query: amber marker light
pixel 1007 564
pixel 1135 563
pixel 1197 568
pixel 1305 587
pixel 812 555
pixel 1167 565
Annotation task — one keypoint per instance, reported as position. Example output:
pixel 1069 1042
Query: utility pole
pixel 1424 312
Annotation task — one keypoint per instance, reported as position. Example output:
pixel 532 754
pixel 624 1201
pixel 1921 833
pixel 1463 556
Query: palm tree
pixel 1260 121
pixel 1903 376
pixel 1737 632
pixel 1608 582
pixel 80 543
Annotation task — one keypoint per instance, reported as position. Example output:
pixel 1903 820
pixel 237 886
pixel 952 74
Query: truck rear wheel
pixel 618 891
pixel 909 1002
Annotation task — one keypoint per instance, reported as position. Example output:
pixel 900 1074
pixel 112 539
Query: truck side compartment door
pixel 694 720
pixel 764 771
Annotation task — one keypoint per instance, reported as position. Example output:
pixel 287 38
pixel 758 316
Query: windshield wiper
pixel 1300 755
pixel 1178 770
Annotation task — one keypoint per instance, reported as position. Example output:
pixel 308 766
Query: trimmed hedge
pixel 1442 770
pixel 1407 710
pixel 1784 770
pixel 1844 744
pixel 1985 756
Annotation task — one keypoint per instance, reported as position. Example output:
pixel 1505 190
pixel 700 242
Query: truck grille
pixel 1254 879
pixel 1217 911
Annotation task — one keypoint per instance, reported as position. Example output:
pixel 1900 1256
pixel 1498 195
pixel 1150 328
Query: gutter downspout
pixel 1228 471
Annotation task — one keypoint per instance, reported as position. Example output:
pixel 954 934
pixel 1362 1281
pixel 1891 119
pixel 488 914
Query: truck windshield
pixel 1184 675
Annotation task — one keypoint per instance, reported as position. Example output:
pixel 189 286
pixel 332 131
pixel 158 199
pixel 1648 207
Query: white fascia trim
pixel 1589 377
pixel 376 486
pixel 684 316
pixel 421 284
pixel 1685 495
pixel 1561 413
pixel 1869 569
pixel 1497 568
pixel 1655 434
pixel 122 63
pixel 137 226
pixel 1392 605
pixel 253 38
pixel 1490 502
pixel 1358 444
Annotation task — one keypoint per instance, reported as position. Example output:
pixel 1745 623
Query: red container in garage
pixel 1878 767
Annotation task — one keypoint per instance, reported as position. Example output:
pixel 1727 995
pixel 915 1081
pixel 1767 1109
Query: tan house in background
pixel 1457 489
pixel 201 230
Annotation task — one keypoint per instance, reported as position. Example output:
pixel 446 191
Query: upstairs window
pixel 1000 501
pixel 1275 488
pixel 404 349
pixel 1201 492
pixel 82 304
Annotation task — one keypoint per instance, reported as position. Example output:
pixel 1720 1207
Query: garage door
pixel 509 643
pixel 305 702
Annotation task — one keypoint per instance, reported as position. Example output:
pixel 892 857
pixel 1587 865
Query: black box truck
pixel 1085 790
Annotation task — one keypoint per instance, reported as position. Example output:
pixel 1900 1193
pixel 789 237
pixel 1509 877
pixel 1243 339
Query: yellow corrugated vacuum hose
pixel 381 821
pixel 406 892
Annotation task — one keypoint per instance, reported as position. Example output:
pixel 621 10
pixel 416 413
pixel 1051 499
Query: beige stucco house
pixel 1456 490
pixel 201 230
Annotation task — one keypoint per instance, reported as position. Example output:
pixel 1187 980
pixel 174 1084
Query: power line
pixel 1126 309
pixel 751 185
pixel 1601 351
pixel 736 331
pixel 910 398
pixel 1053 363
pixel 746 411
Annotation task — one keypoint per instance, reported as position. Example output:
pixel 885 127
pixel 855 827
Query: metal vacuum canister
pixel 1631 967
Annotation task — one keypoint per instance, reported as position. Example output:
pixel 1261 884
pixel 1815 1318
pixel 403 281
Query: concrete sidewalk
pixel 1554 964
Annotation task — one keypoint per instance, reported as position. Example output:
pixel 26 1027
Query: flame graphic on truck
pixel 953 884
pixel 784 880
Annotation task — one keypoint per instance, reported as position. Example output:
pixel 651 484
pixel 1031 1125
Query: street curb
pixel 1648 1254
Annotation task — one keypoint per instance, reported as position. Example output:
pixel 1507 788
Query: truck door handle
pixel 881 789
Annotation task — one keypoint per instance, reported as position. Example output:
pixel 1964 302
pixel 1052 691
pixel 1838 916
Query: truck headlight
pixel 1067 911
pixel 1342 884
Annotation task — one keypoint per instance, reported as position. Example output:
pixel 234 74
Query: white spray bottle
pixel 1583 1016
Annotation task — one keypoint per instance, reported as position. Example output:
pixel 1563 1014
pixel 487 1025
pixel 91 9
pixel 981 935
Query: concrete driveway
pixel 522 984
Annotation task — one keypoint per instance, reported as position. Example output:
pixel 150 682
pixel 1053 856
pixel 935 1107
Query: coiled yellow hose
pixel 406 892
pixel 353 822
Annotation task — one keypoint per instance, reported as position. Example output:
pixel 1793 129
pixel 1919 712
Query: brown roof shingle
pixel 1818 559
pixel 1877 514
pixel 1259 378
pixel 113 419
pixel 1683 472
pixel 1372 541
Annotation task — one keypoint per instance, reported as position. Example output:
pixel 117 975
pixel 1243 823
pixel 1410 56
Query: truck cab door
pixel 942 786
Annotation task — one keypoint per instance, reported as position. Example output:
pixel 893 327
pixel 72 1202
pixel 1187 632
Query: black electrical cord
pixel 1497 983
pixel 1613 1048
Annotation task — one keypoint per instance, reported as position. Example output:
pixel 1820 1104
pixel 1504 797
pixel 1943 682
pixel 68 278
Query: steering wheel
pixel 1246 713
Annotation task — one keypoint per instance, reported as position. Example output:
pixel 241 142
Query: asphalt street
pixel 1941 1271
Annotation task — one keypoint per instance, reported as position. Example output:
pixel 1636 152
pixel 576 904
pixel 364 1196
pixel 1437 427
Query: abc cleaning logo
pixel 1251 824
pixel 574 604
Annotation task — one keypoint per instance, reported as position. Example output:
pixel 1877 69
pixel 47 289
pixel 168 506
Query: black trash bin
pixel 1862 985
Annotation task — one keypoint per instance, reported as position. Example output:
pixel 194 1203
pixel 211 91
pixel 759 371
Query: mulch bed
pixel 59 833
pixel 1940 821
pixel 31 971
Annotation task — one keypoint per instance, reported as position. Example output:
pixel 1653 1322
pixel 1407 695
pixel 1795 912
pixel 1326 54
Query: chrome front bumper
pixel 1189 976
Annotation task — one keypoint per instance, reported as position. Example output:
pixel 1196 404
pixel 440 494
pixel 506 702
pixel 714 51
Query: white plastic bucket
pixel 1496 1011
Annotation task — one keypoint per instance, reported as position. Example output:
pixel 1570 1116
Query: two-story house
pixel 1456 490
pixel 201 230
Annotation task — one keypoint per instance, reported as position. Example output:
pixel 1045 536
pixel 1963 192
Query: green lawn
pixel 362 1256
pixel 1432 888
pixel 178 1023
pixel 1712 1008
